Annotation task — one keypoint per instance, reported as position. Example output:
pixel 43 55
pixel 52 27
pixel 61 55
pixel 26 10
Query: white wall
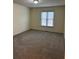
pixel 20 18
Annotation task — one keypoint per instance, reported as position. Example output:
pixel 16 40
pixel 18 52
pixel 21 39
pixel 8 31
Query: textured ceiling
pixel 42 3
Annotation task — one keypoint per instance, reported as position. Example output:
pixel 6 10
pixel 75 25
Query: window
pixel 47 19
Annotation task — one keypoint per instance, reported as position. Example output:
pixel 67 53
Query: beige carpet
pixel 35 44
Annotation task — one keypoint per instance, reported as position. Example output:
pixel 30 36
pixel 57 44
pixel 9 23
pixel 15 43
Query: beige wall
pixel 59 19
pixel 20 18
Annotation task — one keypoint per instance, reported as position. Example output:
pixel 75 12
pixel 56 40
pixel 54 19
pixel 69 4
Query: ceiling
pixel 42 3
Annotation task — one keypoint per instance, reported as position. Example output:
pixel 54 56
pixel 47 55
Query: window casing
pixel 47 19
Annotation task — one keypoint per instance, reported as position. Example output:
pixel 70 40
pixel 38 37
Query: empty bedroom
pixel 38 29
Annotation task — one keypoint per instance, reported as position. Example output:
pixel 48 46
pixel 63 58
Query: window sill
pixel 48 26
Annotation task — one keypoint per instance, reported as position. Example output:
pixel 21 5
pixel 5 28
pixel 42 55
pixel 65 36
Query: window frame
pixel 47 19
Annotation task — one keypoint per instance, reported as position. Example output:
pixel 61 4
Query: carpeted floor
pixel 34 44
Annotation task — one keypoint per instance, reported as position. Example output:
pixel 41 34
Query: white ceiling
pixel 42 3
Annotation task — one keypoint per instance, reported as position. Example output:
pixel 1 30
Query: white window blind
pixel 47 19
